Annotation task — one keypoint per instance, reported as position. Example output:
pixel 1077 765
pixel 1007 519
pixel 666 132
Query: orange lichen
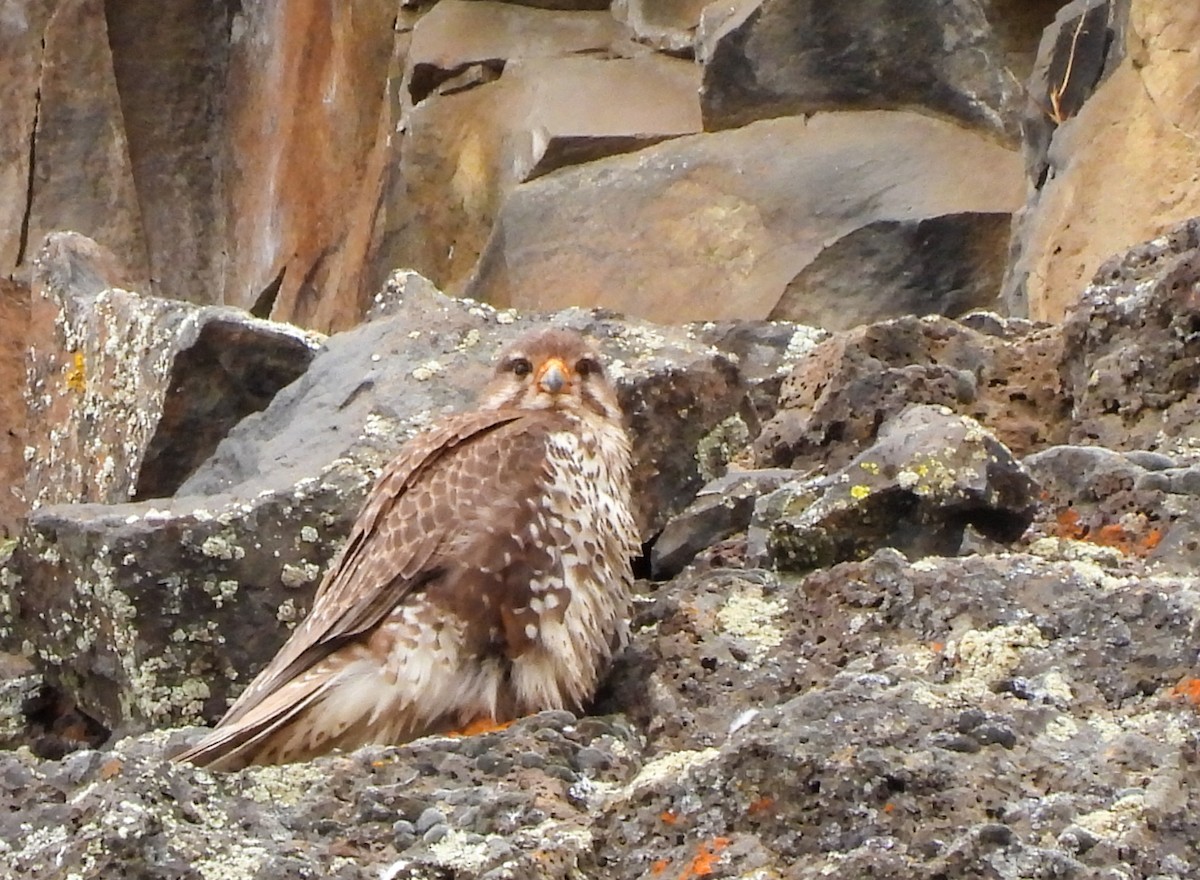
pixel 705 861
pixel 659 866
pixel 668 817
pixel 1131 543
pixel 760 805
pixel 937 647
pixel 481 725
pixel 889 807
pixel 111 768
pixel 1188 689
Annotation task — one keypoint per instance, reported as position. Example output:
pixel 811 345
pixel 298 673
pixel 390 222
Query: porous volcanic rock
pixel 929 475
pixel 1131 359
pixel 1004 374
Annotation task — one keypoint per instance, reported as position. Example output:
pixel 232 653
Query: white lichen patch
pixel 308 534
pixel 1061 729
pixel 671 766
pixel 282 784
pixel 295 576
pixel 426 371
pixel 985 657
pixel 459 852
pixel 1126 816
pixel 748 615
pixel 239 860
pixel 219 547
pixel 286 612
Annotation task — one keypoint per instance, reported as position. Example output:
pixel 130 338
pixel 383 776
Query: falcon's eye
pixel 588 367
pixel 520 366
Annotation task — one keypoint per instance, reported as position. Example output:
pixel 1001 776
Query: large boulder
pixel 734 217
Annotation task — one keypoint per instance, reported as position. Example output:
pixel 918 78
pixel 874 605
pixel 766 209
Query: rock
pixel 1131 358
pixel 156 612
pixel 666 25
pixel 80 176
pixel 458 34
pixel 1096 196
pixel 543 113
pixel 722 508
pixel 14 336
pixel 937 266
pixel 789 57
pixel 308 115
pixel 21 51
pixel 134 392
pixel 499 813
pixel 1004 375
pixel 928 476
pixel 740 213
pixel 1111 501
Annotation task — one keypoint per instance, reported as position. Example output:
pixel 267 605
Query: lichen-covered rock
pixel 929 475
pixel 1131 359
pixel 1004 374
pixel 156 612
pixel 132 392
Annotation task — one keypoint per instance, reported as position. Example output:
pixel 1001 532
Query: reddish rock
pixel 835 399
pixel 14 337
pixel 308 83
pixel 716 226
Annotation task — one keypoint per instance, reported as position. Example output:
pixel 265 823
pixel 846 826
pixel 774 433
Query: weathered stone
pixel 21 30
pixel 154 611
pixel 132 392
pixel 1004 375
pixel 308 121
pixel 722 508
pixel 936 266
pixel 734 216
pixel 14 336
pixel 457 34
pixel 169 62
pixel 543 113
pixel 1097 194
pixel 929 475
pixel 789 57
pixel 1131 359
pixel 667 25
pixel 81 177
pixel 1018 26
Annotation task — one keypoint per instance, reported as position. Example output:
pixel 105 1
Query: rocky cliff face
pixel 919 591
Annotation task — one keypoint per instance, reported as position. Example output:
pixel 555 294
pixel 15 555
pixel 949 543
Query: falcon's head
pixel 552 369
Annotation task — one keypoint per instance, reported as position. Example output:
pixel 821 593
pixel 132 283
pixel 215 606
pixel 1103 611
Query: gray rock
pixel 929 475
pixel 787 57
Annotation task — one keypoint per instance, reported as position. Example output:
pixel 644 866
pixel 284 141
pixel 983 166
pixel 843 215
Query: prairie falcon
pixel 486 577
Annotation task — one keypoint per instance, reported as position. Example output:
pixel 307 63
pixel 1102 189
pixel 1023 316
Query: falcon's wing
pixel 387 554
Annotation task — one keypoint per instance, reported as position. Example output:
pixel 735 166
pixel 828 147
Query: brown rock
pixel 81 176
pixel 938 266
pixel 1131 359
pixel 21 49
pixel 717 225
pixel 132 392
pixel 458 34
pixel 308 86
pixel 787 57
pixel 169 61
pixel 667 25
pixel 465 151
pixel 836 398
pixel 1100 193
pixel 14 337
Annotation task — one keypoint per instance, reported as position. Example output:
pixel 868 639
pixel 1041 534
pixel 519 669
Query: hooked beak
pixel 552 377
